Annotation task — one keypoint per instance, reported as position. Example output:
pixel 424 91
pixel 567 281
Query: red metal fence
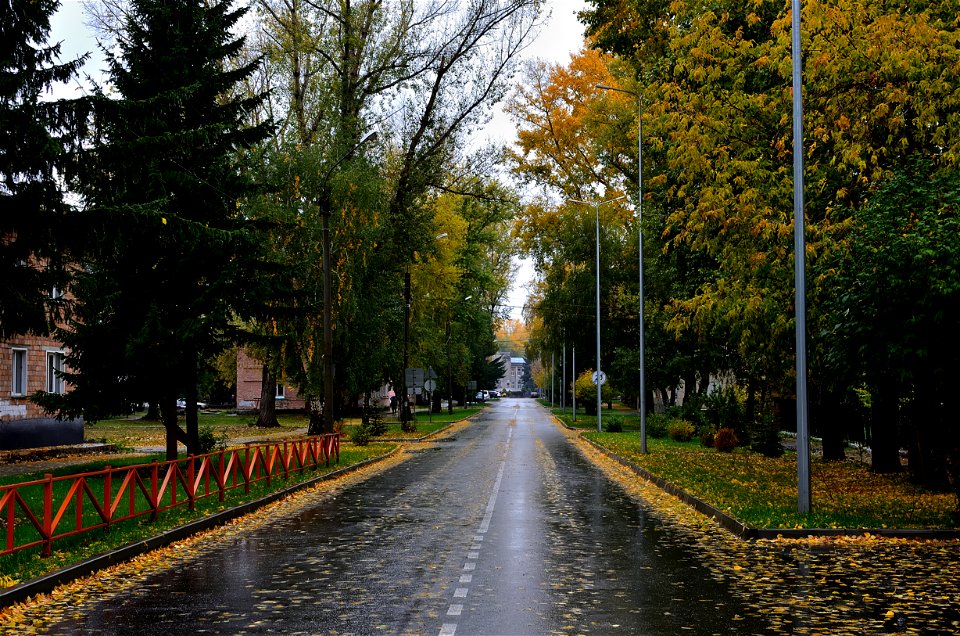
pixel 37 513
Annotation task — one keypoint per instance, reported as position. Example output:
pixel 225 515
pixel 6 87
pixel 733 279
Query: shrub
pixel 707 437
pixel 725 440
pixel 681 430
pixel 360 435
pixel 723 408
pixel 765 437
pixel 657 424
pixel 375 422
pixel 613 424
pixel 210 440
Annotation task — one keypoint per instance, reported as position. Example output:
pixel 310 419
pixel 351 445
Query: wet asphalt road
pixel 504 529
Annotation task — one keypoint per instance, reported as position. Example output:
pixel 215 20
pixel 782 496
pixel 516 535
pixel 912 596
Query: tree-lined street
pixel 503 528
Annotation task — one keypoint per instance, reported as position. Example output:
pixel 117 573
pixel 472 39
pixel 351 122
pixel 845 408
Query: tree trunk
pixel 153 411
pixel 885 449
pixel 168 411
pixel 831 420
pixel 315 412
pixel 267 415
pixel 192 416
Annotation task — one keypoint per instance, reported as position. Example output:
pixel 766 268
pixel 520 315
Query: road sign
pixel 431 374
pixel 599 380
pixel 414 377
pixel 430 385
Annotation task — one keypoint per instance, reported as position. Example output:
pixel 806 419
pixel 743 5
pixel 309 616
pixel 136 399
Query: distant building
pixel 250 381
pixel 514 371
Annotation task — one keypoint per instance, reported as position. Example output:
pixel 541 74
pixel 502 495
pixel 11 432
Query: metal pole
pixel 803 434
pixel 404 405
pixel 643 390
pixel 599 385
pixel 574 382
pixel 563 377
pixel 327 324
pixel 642 406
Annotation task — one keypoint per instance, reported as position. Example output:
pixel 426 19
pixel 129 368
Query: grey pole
pixel 599 385
pixel 563 377
pixel 643 390
pixel 596 205
pixel 574 382
pixel 799 249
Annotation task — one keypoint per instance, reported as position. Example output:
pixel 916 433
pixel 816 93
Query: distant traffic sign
pixel 599 377
pixel 430 385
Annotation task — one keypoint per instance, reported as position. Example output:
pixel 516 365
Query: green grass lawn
pixel 762 491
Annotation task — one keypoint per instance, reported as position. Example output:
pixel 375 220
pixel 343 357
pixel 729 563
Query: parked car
pixel 534 393
pixel 482 396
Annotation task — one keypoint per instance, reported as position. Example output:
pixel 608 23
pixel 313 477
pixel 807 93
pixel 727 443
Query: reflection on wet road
pixel 504 529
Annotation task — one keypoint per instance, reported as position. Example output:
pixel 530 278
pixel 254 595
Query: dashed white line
pixel 455 609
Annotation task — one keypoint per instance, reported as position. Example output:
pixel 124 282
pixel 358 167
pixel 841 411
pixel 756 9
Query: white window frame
pixel 19 377
pixel 280 392
pixel 54 382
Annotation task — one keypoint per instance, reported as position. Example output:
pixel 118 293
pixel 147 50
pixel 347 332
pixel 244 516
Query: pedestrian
pixel 393 404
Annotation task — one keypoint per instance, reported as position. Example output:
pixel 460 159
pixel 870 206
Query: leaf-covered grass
pixel 425 423
pixel 28 564
pixel 762 491
pixel 135 432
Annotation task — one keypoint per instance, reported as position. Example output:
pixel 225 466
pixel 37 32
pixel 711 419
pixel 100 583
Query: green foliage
pixel 725 440
pixel 765 437
pixel 681 430
pixel 35 134
pixel 170 264
pixel 707 436
pixel 613 424
pixel 360 434
pixel 210 440
pixel 376 423
pixel 658 425
pixel 724 409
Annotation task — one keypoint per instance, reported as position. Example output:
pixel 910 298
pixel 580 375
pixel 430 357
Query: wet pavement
pixel 503 529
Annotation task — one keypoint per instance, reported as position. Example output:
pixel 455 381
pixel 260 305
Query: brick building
pixel 249 381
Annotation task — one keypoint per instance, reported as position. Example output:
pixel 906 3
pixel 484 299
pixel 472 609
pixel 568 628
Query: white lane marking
pixel 450 629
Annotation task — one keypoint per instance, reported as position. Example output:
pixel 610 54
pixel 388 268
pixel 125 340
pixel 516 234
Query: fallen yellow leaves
pixel 818 585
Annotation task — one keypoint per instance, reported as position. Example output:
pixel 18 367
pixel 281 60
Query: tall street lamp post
pixel 324 205
pixel 599 374
pixel 643 389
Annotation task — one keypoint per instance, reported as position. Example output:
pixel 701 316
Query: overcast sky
pixel 562 36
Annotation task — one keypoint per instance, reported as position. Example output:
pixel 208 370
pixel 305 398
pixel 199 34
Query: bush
pixel 723 408
pixel 707 437
pixel 657 424
pixel 211 441
pixel 613 424
pixel 375 422
pixel 725 440
pixel 360 435
pixel 681 430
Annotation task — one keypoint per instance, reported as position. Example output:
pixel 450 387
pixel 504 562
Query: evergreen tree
pixel 31 150
pixel 172 262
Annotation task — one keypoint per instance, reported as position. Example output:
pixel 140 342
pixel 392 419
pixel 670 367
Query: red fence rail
pixel 37 513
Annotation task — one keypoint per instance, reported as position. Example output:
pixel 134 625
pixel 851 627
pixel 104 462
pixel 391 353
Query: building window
pixel 54 369
pixel 279 393
pixel 18 387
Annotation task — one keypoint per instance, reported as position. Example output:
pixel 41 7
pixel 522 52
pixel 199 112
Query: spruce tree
pixel 172 262
pixel 31 152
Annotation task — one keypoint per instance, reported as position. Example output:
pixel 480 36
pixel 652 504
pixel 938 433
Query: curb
pixel 751 533
pixel 48 582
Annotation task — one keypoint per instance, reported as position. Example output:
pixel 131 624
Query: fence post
pixel 154 496
pixel 108 495
pixel 222 482
pixel 191 493
pixel 47 514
